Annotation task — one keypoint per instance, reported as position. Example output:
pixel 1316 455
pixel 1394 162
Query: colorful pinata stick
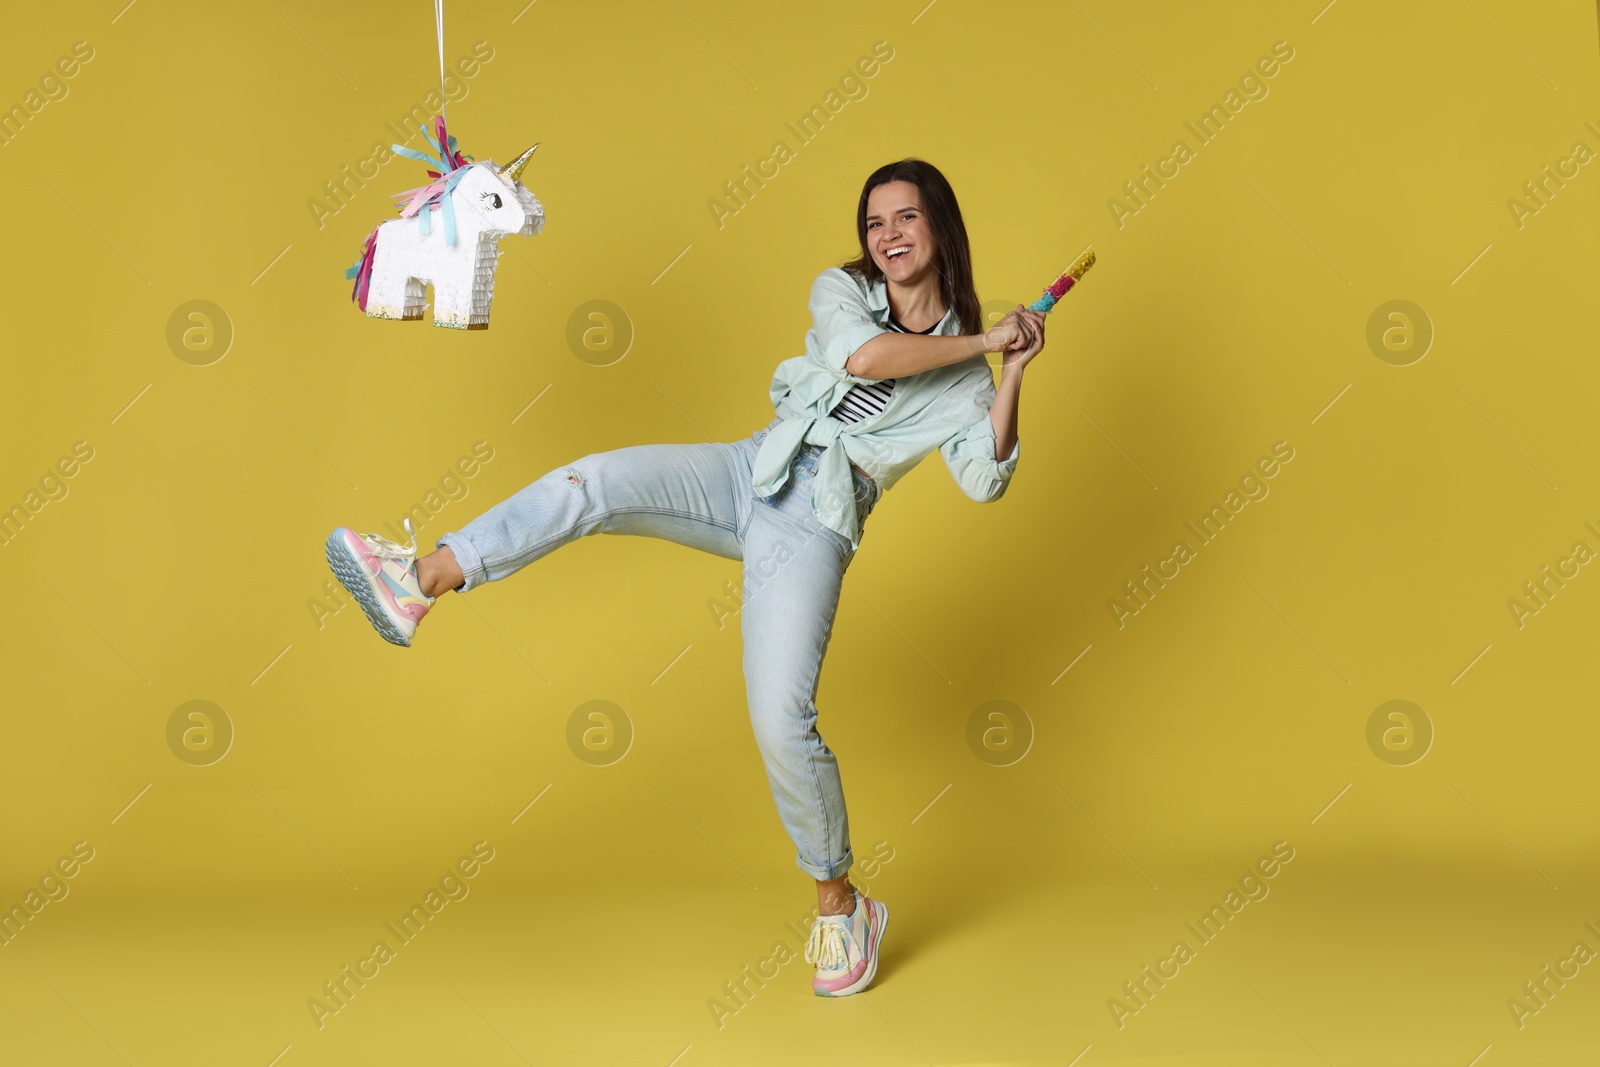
pixel 1061 285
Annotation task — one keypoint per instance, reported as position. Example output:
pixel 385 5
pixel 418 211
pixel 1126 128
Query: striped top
pixel 864 400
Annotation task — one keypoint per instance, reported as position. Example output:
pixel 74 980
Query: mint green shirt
pixel 946 408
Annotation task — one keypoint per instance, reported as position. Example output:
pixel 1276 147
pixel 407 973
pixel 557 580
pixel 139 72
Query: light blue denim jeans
pixel 701 495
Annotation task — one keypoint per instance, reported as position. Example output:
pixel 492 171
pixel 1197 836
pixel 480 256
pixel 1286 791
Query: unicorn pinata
pixel 478 203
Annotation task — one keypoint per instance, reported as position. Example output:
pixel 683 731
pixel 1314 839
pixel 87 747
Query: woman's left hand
pixel 1022 355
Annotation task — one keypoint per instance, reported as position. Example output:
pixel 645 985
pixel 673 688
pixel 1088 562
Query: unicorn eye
pixel 494 197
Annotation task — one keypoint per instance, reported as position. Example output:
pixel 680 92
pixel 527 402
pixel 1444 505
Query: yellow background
pixel 1230 713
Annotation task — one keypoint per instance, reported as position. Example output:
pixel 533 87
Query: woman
pixel 894 368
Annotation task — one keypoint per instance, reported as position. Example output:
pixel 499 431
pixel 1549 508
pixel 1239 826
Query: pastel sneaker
pixel 382 577
pixel 845 948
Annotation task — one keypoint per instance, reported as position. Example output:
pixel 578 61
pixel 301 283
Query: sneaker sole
pixel 347 568
pixel 872 957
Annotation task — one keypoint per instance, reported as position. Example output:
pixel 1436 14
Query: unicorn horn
pixel 512 172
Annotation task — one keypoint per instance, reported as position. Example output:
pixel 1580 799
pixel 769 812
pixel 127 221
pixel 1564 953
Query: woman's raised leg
pixel 694 494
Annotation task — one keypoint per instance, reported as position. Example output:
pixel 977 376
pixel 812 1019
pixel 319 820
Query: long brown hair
pixel 944 215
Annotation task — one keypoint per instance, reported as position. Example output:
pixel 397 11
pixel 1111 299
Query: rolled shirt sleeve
pixel 842 322
pixel 969 453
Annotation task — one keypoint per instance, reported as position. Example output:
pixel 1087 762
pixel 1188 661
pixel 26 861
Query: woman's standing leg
pixel 793 570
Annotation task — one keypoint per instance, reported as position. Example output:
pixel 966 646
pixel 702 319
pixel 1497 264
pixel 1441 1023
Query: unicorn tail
pixel 361 270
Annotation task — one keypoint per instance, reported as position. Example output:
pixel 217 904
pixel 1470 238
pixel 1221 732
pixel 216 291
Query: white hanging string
pixel 438 24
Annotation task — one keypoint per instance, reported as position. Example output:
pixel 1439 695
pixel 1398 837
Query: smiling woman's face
pixel 896 224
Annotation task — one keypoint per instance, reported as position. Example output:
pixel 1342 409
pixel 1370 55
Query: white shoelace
pixel 386 548
pixel 825 948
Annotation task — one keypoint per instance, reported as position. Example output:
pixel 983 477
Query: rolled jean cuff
pixel 827 874
pixel 467 559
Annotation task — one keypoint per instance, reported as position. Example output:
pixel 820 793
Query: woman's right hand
pixel 1011 334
